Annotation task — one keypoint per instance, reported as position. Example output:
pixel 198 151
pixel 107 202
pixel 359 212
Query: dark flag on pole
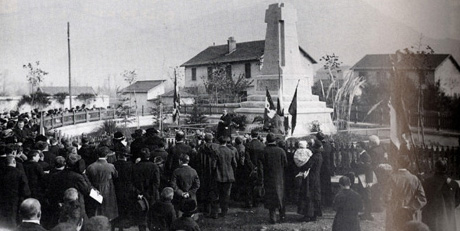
pixel 269 112
pixel 293 110
pixel 176 101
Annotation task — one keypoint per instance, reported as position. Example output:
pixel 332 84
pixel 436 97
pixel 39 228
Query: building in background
pixel 142 93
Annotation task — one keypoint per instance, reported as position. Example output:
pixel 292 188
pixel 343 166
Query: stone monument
pixel 282 69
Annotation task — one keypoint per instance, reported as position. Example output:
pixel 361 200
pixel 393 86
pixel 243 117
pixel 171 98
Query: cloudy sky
pixel 152 36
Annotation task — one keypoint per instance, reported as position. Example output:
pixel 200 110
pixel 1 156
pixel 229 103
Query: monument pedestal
pixel 309 109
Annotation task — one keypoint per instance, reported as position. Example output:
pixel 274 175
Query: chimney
pixel 231 45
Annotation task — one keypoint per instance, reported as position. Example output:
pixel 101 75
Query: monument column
pixel 282 66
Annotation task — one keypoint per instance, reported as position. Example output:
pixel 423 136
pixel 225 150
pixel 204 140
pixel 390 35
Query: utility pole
pixel 70 79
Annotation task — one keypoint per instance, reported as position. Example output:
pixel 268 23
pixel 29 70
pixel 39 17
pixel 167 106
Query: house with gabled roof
pixel 142 93
pixel 245 58
pixel 76 90
pixel 438 67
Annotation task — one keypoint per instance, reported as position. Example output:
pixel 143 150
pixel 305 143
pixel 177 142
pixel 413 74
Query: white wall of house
pixel 449 77
pixel 237 70
pixel 156 91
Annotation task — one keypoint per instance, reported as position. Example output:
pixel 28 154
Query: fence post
pixel 439 121
pixel 87 116
pixel 62 119
pixel 74 117
pixel 100 114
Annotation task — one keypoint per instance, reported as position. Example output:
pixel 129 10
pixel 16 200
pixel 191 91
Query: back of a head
pixel 180 135
pixel 71 194
pixel 254 134
pixel 440 166
pixel 167 193
pixel 374 140
pixel 103 152
pixel 64 226
pixel 184 158
pixel 403 161
pixel 97 223
pixel 71 212
pixel 208 137
pixel 59 162
pixel 344 181
pixel 222 140
pixel 416 226
pixel 30 208
pixel 238 140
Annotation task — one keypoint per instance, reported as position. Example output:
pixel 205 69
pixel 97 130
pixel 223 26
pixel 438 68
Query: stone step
pixel 300 97
pixel 311 110
pixel 300 104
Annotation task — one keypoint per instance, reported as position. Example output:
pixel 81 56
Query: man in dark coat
pixel 175 152
pixel 326 170
pixel 224 125
pixel 185 183
pixel 124 188
pixel 272 165
pixel 363 169
pixel 404 196
pixel 442 196
pixel 101 175
pixel 137 144
pixel 58 183
pixel 21 132
pixel 347 204
pixel 87 151
pixel 34 173
pixel 310 190
pixel 225 165
pixel 146 181
pixel 205 168
pixel 30 211
pixel 14 188
pixel 254 150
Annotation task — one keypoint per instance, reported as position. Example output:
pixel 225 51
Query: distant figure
pixel 347 204
pixel 442 196
pixel 30 211
pixel 223 127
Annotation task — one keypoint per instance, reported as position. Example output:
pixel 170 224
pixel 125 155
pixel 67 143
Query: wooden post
pixel 87 116
pixel 100 114
pixel 439 121
pixel 74 118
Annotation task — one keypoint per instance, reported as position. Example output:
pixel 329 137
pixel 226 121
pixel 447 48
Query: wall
pixel 202 72
pixel 156 91
pixel 449 76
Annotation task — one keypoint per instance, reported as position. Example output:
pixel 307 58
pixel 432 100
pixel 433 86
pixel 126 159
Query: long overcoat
pixel 347 204
pixel 272 166
pixel 101 174
pixel 310 189
pixel 442 199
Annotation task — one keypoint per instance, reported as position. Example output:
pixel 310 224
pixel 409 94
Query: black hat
pixel 271 138
pixel 254 133
pixel 320 136
pixel 118 136
pixel 188 206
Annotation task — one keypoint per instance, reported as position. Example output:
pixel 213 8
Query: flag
pixel 280 106
pixel 176 101
pixel 270 111
pixel 293 110
pixel 42 125
pixel 399 124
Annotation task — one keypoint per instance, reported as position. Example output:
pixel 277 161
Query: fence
pixel 72 118
pixel 432 119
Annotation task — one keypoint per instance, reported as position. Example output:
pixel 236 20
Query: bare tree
pixel 35 75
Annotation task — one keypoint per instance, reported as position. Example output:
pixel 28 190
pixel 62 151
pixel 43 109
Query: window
pixel 228 71
pixel 209 73
pixel 193 74
pixel 247 70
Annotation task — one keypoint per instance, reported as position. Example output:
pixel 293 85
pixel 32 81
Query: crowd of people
pixel 62 185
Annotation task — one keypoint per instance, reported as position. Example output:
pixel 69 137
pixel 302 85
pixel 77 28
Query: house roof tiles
pixel 142 86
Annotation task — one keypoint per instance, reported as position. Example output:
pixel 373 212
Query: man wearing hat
pixel 101 175
pixel 186 221
pixel 123 186
pixel 137 144
pixel 273 163
pixel 87 150
pixel 175 152
pixel 326 171
pixel 254 150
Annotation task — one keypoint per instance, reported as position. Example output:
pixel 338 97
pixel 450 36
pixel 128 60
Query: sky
pixel 154 36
